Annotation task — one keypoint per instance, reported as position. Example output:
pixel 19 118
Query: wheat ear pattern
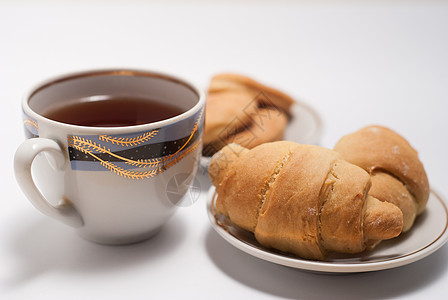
pixel 195 128
pixel 125 173
pixel 151 167
pixel 162 165
pixel 31 125
pixel 129 141
pixel 87 146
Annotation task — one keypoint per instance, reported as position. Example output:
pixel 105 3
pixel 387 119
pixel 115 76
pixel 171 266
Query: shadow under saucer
pixel 288 282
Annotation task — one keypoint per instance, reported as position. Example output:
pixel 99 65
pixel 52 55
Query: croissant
pixel 398 176
pixel 242 110
pixel 301 199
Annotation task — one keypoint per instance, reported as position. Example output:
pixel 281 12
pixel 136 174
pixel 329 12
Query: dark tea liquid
pixel 112 112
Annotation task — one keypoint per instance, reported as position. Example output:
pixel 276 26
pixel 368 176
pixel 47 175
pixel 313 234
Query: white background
pixel 355 62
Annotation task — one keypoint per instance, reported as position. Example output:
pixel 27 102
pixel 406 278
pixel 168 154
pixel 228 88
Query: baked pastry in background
pixel 242 110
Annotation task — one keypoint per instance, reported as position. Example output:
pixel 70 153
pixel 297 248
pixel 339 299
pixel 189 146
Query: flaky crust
pixel 267 95
pixel 378 150
pixel 303 199
pixel 223 161
pixel 225 114
pixel 387 188
pixel 341 215
pixel 289 218
pixel 268 125
pixel 240 193
pixel 242 110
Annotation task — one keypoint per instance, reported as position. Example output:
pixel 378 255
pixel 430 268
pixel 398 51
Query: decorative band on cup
pixel 136 155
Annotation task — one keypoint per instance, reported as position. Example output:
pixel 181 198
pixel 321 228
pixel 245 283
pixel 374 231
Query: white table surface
pixel 383 62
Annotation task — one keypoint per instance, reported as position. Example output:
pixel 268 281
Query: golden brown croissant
pixel 301 199
pixel 244 111
pixel 397 174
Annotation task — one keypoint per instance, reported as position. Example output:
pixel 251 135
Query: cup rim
pixel 115 71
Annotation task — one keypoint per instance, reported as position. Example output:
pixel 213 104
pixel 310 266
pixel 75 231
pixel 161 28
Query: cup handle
pixel 64 212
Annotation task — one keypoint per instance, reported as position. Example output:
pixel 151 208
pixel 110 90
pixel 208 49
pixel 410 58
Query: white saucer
pixel 429 233
pixel 305 127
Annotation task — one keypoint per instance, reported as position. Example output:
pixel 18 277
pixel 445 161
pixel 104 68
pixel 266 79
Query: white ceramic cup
pixel 110 183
